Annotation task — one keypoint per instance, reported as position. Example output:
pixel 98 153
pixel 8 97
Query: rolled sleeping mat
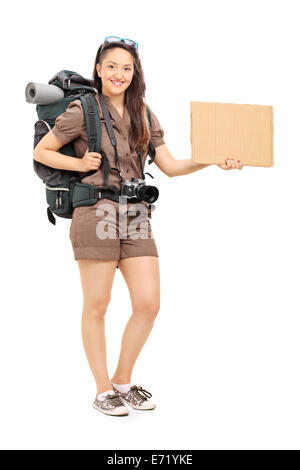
pixel 42 93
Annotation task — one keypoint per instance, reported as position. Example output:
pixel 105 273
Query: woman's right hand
pixel 89 161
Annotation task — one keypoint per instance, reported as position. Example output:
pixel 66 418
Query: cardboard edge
pixel 272 134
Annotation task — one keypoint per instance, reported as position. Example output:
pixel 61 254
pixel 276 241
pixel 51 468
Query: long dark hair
pixel 139 134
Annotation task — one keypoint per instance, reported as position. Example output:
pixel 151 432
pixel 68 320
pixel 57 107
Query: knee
pixel 95 309
pixel 148 308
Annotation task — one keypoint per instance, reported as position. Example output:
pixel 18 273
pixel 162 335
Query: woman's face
pixel 116 71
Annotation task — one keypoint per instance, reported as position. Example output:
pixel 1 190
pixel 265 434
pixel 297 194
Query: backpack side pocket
pixel 49 175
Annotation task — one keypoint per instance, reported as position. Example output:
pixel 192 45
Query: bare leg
pixel 96 278
pixel 141 274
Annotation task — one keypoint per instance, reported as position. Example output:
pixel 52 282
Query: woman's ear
pixel 98 70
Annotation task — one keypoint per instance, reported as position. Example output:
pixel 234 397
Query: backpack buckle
pixel 94 193
pixel 68 85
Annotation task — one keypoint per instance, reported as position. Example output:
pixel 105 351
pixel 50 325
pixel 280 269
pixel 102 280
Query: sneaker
pixel 137 398
pixel 111 405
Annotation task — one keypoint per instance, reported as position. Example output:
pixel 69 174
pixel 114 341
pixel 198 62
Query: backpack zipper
pixel 58 200
pixel 57 189
pixel 46 125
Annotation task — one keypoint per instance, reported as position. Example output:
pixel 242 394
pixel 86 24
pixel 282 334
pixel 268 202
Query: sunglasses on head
pixel 129 42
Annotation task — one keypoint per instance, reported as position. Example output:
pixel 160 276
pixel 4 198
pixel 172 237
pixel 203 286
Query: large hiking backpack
pixel 60 183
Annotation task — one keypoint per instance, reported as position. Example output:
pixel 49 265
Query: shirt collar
pixel 114 114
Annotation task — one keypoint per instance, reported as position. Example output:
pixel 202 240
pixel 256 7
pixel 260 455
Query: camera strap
pixel 111 135
pixel 114 142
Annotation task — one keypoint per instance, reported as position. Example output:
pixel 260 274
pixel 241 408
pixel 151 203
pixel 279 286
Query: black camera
pixel 137 188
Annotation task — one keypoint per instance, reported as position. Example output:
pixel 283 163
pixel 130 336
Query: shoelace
pixel 115 399
pixel 140 393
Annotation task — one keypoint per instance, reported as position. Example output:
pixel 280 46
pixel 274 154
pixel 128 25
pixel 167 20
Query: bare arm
pixel 172 167
pixel 46 152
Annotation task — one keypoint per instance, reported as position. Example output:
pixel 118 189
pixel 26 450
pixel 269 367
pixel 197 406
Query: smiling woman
pixel 119 79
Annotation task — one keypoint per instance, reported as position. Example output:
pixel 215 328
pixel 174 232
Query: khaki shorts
pixel 97 232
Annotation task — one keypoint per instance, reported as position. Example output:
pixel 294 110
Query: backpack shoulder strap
pixel 93 127
pixel 92 121
pixel 151 146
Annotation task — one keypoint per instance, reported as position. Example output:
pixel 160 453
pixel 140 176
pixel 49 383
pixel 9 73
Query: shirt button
pixel 124 138
pixel 127 170
pixel 127 154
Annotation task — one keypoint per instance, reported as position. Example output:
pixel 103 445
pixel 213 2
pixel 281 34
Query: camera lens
pixel 148 193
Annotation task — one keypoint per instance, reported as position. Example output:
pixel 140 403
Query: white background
pixel 222 361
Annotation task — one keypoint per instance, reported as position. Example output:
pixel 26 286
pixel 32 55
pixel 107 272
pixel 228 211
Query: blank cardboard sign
pixel 241 131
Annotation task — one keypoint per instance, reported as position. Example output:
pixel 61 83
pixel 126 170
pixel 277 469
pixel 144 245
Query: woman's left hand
pixel 230 164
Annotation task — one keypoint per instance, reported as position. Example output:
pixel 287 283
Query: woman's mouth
pixel 117 84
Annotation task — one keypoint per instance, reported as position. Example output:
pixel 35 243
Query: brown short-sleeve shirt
pixel 70 126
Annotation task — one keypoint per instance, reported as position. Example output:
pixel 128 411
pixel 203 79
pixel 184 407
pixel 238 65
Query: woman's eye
pixel 112 67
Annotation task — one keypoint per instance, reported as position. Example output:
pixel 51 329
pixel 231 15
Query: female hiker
pixel 119 79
